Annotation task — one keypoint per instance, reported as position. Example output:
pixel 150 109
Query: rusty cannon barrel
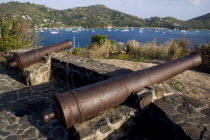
pixel 26 59
pixel 83 103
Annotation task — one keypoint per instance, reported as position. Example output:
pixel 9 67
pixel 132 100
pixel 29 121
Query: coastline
pixel 122 28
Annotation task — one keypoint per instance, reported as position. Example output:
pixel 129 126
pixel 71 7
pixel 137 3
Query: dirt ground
pixel 195 84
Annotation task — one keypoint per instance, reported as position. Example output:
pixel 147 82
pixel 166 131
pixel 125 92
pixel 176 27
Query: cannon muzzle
pixel 85 102
pixel 26 59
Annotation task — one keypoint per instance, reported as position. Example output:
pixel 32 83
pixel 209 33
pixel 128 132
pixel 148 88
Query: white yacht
pixel 54 32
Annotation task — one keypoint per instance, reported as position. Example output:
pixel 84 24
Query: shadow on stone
pixel 150 123
pixel 20 113
pixel 22 106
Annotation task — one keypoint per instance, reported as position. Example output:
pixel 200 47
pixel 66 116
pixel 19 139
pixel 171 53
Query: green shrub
pixel 101 39
pixel 184 45
pixel 121 57
pixel 131 46
pixel 16 33
pixel 77 51
pixel 177 85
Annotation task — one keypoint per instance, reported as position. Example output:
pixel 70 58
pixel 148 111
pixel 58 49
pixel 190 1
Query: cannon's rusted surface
pixel 26 59
pixel 86 102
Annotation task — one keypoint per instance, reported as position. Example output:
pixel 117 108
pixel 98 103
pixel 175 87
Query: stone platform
pixel 157 112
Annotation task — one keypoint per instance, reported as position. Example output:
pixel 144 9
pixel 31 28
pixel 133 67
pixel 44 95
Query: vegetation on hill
pixel 15 33
pixel 201 22
pixel 96 16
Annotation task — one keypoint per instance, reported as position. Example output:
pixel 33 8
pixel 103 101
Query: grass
pixel 177 85
pixel 137 51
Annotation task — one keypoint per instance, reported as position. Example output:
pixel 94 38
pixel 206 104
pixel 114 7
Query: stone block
pixel 206 111
pixel 194 102
pixel 105 128
pixel 31 132
pixel 191 130
pixel 84 133
pixel 186 108
pixel 14 137
pixel 159 92
pixel 207 126
pixel 145 99
pixel 115 118
pixel 166 105
pixel 206 135
pixel 35 74
pixel 177 118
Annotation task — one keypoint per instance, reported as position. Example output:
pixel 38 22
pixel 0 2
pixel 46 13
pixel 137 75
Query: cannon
pixel 24 60
pixel 83 103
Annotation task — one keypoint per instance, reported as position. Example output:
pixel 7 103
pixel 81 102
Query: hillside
pixel 91 16
pixel 201 22
pixel 96 16
pixel 204 17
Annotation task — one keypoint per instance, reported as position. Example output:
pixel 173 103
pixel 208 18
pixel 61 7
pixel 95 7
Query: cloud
pixel 197 2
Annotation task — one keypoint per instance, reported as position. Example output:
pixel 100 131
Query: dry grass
pixel 140 52
pixel 135 50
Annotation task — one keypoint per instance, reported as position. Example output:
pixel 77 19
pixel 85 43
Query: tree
pixel 16 33
pixel 100 39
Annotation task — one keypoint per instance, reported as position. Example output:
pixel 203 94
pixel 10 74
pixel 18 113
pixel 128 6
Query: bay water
pixel 81 37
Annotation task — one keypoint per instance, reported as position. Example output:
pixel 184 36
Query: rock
pixel 12 127
pixel 30 133
pixel 43 69
pixel 12 120
pixel 58 133
pixel 194 102
pixel 115 118
pixel 166 105
pixel 185 108
pixel 177 100
pixel 84 133
pixel 4 122
pixel 177 118
pixel 206 111
pixel 206 135
pixel 159 92
pixel 199 121
pixel 2 133
pixel 20 132
pixel 94 127
pixel 23 119
pixel 145 99
pixel 25 126
pixel 4 88
pixel 191 130
pixel 14 137
pixel 195 115
pixel 105 128
pixel 207 127
pixel 9 96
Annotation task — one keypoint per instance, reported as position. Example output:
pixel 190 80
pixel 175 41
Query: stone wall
pixel 36 74
pixel 157 112
pixel 77 71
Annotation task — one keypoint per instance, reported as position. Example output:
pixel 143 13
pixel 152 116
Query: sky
pixel 180 9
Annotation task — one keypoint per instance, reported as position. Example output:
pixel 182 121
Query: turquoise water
pixel 82 37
